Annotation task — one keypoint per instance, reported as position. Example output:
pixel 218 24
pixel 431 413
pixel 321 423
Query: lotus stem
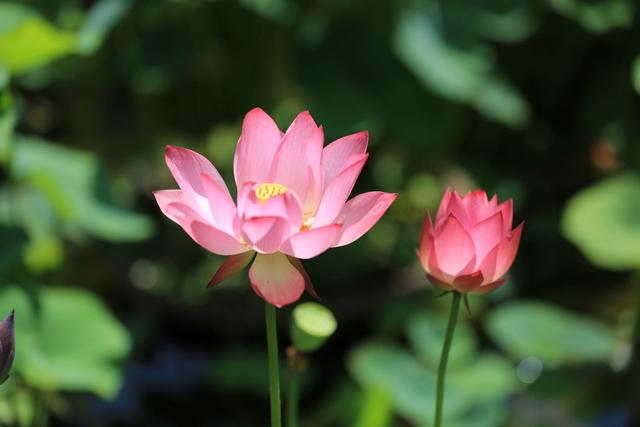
pixel 444 358
pixel 274 375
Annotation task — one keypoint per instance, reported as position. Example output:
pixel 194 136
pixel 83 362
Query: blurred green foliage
pixel 533 100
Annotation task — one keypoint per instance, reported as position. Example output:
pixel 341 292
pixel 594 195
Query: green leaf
pixel 486 381
pixel 67 178
pixel 462 74
pixel 70 341
pixel 28 41
pixel 597 16
pixel 426 334
pixel 603 221
pixel 555 336
pixel 101 18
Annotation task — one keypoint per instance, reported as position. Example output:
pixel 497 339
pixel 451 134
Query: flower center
pixel 267 190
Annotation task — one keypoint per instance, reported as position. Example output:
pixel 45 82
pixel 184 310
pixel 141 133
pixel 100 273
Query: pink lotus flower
pixel 291 202
pixel 471 245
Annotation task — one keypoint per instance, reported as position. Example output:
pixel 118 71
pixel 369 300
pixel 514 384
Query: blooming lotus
pixel 291 202
pixel 471 245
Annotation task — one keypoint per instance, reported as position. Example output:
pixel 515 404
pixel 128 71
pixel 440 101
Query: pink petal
pixel 187 166
pixel 443 208
pixel 275 279
pixel 439 282
pixel 210 238
pixel 307 244
pixel 231 266
pixel 298 160
pixel 223 210
pixel 164 198
pixel 490 286
pixel 338 155
pixel 507 251
pixel 507 213
pixel 256 148
pixel 207 236
pixel 214 240
pixel 457 207
pixel 265 234
pixel 361 213
pixel 454 248
pixel 308 285
pixel 486 235
pixel 468 282
pixel 489 264
pixel 336 193
pixel 426 242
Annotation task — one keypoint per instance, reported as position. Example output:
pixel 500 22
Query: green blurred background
pixel 535 100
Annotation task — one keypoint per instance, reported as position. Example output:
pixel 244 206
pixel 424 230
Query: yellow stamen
pixel 269 189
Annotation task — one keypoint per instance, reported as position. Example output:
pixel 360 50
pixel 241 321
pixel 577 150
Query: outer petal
pixel 490 286
pixel 426 242
pixel 307 244
pixel 468 282
pixel 265 234
pixel 339 154
pixel 507 251
pixel 223 210
pixel 486 235
pixel 275 279
pixel 256 148
pixel 164 198
pixel 454 248
pixel 361 213
pixel 507 213
pixel 443 208
pixel 231 266
pixel 297 163
pixel 214 240
pixel 187 166
pixel 336 194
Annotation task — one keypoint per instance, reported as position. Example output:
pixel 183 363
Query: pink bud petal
pixel 426 242
pixel 231 266
pixel 490 286
pixel 486 235
pixel 361 213
pixel 468 282
pixel 508 250
pixel 454 248
pixel 274 278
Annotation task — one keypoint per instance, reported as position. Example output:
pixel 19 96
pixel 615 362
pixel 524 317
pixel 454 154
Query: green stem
pixel 442 368
pixel 274 375
pixel 293 397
